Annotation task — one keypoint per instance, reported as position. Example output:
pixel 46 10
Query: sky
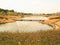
pixel 31 6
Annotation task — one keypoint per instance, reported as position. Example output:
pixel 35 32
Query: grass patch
pixel 51 37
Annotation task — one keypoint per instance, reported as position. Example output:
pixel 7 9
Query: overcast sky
pixel 31 6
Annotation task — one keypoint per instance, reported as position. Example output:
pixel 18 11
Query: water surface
pixel 24 26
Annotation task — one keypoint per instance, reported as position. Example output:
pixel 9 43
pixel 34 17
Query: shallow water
pixel 34 18
pixel 24 26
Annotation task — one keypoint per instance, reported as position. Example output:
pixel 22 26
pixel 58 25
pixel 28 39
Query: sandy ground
pixel 55 20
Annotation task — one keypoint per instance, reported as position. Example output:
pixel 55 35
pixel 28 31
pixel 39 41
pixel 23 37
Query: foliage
pixel 6 12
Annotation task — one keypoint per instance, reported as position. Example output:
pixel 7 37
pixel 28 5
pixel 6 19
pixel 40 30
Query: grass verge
pixel 51 37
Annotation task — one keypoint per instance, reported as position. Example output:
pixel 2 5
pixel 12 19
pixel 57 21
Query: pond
pixel 24 26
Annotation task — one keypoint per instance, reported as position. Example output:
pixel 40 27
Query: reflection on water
pixel 9 27
pixel 26 26
pixel 32 26
pixel 34 18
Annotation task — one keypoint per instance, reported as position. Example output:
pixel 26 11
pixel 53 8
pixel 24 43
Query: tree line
pixel 6 12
